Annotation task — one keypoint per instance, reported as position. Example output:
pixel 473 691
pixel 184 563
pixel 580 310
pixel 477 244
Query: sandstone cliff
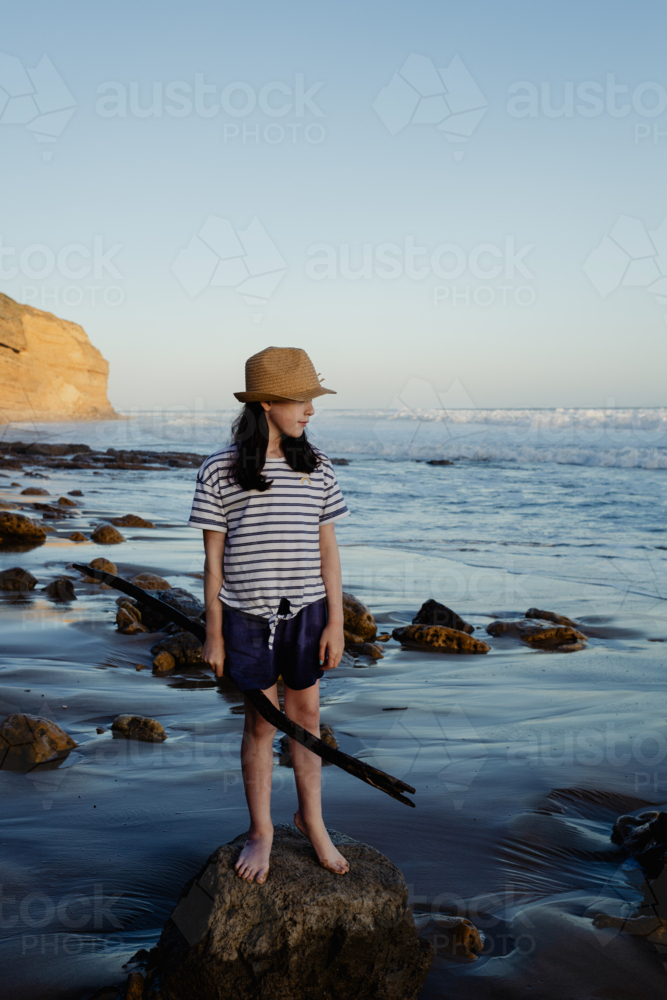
pixel 49 370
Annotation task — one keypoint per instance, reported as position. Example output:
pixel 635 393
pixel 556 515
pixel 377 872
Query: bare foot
pixel 327 855
pixel 254 858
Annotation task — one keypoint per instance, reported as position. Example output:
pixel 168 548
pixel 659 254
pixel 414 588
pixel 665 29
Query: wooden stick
pixel 371 775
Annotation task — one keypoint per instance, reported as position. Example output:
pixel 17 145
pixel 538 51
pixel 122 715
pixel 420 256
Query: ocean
pixel 522 759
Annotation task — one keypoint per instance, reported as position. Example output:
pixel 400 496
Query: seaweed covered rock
pixel 26 740
pixel 303 934
pixel 439 639
pixel 358 622
pixel 434 613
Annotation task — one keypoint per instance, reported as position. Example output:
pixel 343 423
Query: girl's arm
pixel 331 641
pixel 213 652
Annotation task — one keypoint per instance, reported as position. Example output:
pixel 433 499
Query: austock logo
pixel 630 256
pixel 218 256
pixel 420 94
pixel 36 98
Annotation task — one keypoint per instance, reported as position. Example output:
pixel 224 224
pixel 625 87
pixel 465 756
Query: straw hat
pixel 280 374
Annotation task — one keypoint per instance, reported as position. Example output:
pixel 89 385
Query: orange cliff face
pixel 49 370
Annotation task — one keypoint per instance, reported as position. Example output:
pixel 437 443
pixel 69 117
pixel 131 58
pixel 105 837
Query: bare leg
pixel 304 707
pixel 257 767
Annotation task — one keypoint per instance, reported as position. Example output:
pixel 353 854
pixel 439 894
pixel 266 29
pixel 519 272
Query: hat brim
pixel 263 397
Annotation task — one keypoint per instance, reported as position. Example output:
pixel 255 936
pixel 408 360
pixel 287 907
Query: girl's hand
pixel 213 653
pixel 332 645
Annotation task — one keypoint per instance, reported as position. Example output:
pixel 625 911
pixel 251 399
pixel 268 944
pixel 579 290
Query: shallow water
pixel 521 759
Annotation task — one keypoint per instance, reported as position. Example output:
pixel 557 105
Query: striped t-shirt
pixel 272 549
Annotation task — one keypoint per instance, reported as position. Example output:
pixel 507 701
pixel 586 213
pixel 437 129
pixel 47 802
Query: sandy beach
pixel 521 760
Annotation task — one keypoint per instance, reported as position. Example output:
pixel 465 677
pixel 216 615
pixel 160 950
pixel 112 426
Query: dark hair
pixel 250 434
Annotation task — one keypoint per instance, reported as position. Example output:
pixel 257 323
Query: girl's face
pixel 289 418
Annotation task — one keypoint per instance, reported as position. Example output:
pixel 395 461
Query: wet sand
pixel 521 760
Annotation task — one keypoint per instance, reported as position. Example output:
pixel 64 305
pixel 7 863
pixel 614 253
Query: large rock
pixel 434 613
pixel 26 740
pixel 105 566
pixel 21 529
pixel 61 589
pixel 549 616
pixel 304 934
pixel 17 579
pixel 358 622
pixel 439 639
pixel 49 370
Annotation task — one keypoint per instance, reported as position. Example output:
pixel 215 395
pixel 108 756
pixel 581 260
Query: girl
pixel 272 583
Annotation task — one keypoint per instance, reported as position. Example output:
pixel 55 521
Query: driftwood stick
pixel 371 775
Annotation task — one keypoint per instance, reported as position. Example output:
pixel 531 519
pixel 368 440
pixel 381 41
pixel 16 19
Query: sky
pixel 470 195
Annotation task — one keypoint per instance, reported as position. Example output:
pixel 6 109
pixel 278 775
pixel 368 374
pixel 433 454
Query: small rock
pixel 149 581
pixel 455 937
pixel 439 639
pixel 433 613
pixel 137 727
pixel 106 534
pixel 61 589
pixel 17 579
pixel 385 637
pixel 100 729
pixel 357 619
pixel 654 929
pixel 26 740
pixel 5 505
pixel 304 933
pixel 367 649
pixel 64 502
pixel 184 647
pixel 339 461
pixel 536 635
pixel 644 837
pixel 549 616
pixel 163 662
pixel 128 617
pixel 326 735
pixel 134 987
pixel 439 461
pixel 140 666
pixel 34 491
pixel 18 528
pixel 177 598
pixel 106 993
pixel 76 536
pixel 131 521
pixel 104 565
pixel 75 493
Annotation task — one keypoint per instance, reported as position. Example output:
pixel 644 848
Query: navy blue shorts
pixel 296 648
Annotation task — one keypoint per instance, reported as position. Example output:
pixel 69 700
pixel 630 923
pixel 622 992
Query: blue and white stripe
pixel 272 549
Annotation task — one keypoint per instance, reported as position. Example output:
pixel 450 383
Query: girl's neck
pixel 274 447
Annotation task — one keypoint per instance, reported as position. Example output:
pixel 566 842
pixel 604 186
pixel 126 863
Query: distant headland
pixel 49 370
